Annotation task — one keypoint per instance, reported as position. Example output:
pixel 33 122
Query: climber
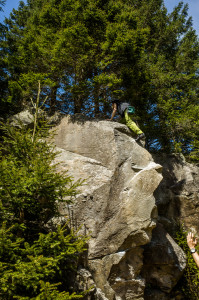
pixel 126 111
pixel 192 242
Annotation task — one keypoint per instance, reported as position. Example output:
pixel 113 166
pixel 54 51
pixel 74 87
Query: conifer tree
pixel 3 76
pixel 88 52
pixel 36 262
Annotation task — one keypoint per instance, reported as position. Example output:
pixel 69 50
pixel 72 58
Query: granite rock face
pixel 115 206
pixel 177 196
pixel 25 117
pixel 160 256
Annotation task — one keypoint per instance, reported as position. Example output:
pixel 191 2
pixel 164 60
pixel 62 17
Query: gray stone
pixel 24 117
pixel 115 206
pixel 84 280
pixel 164 261
pixel 99 295
pixel 118 274
pixel 177 196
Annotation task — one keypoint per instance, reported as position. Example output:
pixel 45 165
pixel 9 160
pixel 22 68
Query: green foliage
pixel 41 270
pixel 30 186
pixel 87 52
pixel 189 283
pixel 2 3
pixel 35 263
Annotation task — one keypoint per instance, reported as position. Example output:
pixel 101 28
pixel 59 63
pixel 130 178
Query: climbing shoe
pixel 140 137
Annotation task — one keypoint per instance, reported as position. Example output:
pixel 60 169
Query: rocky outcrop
pixel 177 196
pixel 27 116
pixel 130 255
pixel 116 208
pixel 24 117
pixel 160 269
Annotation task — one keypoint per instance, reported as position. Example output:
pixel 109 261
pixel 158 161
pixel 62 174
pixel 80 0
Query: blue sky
pixel 193 9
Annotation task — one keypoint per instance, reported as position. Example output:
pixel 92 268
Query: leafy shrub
pixel 42 269
pixel 30 187
pixel 34 263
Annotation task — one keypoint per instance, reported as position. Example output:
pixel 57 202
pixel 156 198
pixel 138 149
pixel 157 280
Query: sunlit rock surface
pixel 115 207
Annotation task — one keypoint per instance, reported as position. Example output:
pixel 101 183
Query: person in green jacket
pixel 125 111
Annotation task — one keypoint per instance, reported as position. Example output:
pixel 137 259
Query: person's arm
pixel 113 112
pixel 192 242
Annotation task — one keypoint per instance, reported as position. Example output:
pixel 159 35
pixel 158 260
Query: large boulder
pixel 27 117
pixel 115 206
pixel 177 196
pixel 24 117
pixel 164 261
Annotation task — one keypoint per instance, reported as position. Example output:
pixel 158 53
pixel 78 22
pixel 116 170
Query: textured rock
pixel 177 196
pixel 115 206
pixel 118 274
pixel 164 261
pixel 155 295
pixel 24 117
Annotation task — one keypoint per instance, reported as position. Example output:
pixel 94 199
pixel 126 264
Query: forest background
pixel 84 54
pixel 87 53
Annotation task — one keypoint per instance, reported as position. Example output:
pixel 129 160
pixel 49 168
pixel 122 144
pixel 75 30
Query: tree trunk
pixel 53 100
pixel 77 104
